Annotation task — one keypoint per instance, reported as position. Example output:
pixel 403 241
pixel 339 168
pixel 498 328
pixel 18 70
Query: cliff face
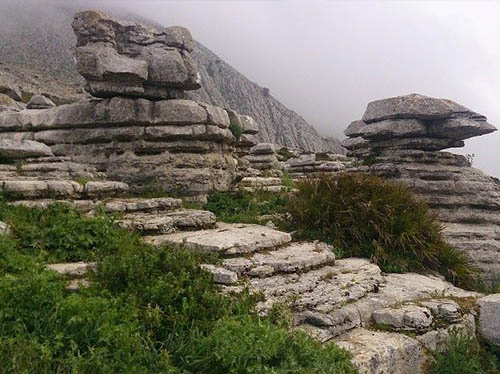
pixel 41 39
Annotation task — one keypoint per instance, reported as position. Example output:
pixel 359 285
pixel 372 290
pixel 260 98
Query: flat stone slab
pixel 167 222
pixel 226 239
pixel 221 275
pixel 13 149
pixel 294 257
pixel 95 188
pixel 72 269
pixel 142 205
pixel 416 106
pixel 377 352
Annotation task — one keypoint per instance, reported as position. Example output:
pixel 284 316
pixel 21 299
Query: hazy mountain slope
pixel 36 36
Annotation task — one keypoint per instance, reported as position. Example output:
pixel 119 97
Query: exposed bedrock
pixel 401 138
pixel 180 145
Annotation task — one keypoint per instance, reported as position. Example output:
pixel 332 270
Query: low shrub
pixel 147 310
pixel 236 130
pixel 365 216
pixel 245 207
pixel 60 233
pixel 463 355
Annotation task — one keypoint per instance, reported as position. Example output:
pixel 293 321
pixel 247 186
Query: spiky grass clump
pixel 463 355
pixel 365 216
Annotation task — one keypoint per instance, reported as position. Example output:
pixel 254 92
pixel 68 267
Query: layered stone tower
pixel 139 128
pixel 401 138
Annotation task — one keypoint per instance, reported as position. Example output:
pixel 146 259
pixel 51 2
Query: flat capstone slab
pixel 225 239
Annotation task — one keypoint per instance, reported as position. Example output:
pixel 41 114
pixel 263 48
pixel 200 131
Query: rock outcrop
pixel 401 138
pixel 131 132
pixel 129 59
pixel 36 55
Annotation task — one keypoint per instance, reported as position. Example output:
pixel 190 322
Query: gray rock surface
pixel 40 102
pixel 489 318
pixel 37 56
pixel 418 107
pixel 402 137
pixel 12 149
pixel 129 59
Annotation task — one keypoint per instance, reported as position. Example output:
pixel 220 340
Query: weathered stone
pixel 376 352
pixel 11 91
pixel 459 128
pixel 216 115
pixel 418 107
pixel 125 58
pixel 264 149
pixel 226 238
pixel 303 160
pixel 407 317
pixel 142 205
pixel 179 112
pixel 12 149
pixel 489 318
pixel 248 125
pixel 293 258
pixel 354 129
pixel 73 270
pixel 394 128
pixel 40 102
pixel 221 275
pixel 95 188
pixel 9 104
pixel 147 223
pixel 355 143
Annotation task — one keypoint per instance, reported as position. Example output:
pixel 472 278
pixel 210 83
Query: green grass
pixel 463 355
pixel 246 207
pixel 147 310
pixel 364 216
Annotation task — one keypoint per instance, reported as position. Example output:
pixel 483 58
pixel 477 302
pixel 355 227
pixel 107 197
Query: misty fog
pixel 327 59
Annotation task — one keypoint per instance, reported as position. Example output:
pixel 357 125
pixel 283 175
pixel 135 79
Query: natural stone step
pixel 72 269
pixel 229 239
pixel 168 222
pixel 292 258
pixel 115 205
pixel 384 352
pixel 321 290
pixel 142 205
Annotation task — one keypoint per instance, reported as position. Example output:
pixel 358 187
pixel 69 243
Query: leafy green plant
pixel 365 216
pixel 236 130
pixel 245 207
pixel 60 233
pixel 147 310
pixel 463 355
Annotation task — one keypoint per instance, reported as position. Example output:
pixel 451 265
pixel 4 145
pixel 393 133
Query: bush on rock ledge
pixel 365 216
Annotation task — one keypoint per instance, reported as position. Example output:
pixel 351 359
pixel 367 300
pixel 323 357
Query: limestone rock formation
pixel 129 59
pixel 36 56
pixel 401 138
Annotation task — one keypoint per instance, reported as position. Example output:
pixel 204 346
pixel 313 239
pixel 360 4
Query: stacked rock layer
pixel 125 58
pixel 402 137
pixel 139 130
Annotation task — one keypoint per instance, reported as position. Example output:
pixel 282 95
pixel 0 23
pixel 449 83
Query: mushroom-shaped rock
pixel 125 58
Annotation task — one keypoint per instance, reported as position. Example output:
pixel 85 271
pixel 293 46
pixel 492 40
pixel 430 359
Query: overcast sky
pixel 327 59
